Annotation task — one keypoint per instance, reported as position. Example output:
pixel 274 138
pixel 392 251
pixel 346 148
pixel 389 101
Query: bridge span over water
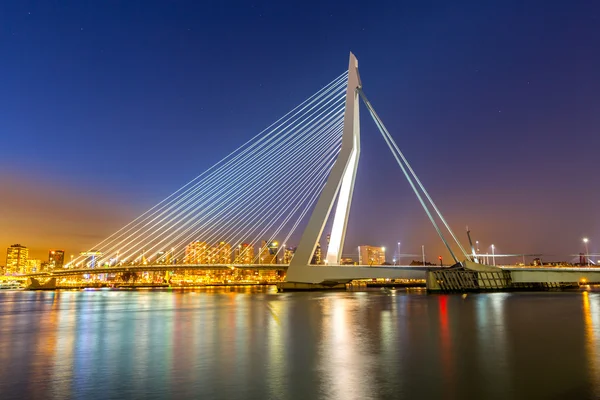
pixel 329 276
pixel 350 272
pixel 309 157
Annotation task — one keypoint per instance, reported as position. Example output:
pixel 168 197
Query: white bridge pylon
pixel 340 184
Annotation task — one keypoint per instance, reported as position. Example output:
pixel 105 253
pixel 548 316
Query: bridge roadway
pixel 346 271
pixel 554 274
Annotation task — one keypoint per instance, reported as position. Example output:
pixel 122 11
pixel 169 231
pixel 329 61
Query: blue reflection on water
pixel 253 344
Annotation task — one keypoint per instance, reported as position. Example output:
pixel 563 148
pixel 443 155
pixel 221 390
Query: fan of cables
pixel 258 193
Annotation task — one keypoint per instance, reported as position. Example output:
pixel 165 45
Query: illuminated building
pixel 244 254
pixel 196 253
pixel 371 255
pixel 56 258
pixel 221 254
pixel 347 261
pixel 91 258
pixel 16 259
pixel 288 254
pixel 34 266
pixel 268 252
pixel 317 255
pixel 161 257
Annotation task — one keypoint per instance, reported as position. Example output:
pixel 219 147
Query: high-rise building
pixel 56 258
pixel 317 255
pixel 34 266
pixel 371 255
pixel 221 254
pixel 288 253
pixel 244 254
pixel 16 259
pixel 196 253
pixel 268 252
pixel 91 259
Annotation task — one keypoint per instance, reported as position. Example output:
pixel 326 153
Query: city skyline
pixel 497 108
pixel 18 260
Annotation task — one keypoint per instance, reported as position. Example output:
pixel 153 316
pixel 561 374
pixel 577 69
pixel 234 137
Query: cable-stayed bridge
pixel 282 183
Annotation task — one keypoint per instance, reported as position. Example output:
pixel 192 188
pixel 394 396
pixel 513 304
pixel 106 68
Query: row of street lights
pixel 585 243
pixel 477 252
pixel 399 254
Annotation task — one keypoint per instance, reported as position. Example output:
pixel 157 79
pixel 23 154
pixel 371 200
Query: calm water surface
pixel 257 344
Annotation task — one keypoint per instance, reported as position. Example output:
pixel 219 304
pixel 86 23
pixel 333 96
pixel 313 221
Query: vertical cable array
pixel 259 192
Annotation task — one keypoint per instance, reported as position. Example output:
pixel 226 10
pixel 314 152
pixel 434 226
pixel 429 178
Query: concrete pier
pixel 478 277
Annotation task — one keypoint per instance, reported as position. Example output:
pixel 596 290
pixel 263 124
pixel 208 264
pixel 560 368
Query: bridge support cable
pixel 290 156
pixel 260 209
pixel 289 159
pixel 315 180
pixel 217 213
pixel 251 158
pixel 260 191
pixel 294 202
pixel 410 175
pixel 223 163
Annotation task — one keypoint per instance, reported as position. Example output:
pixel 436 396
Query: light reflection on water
pixel 591 317
pixel 257 344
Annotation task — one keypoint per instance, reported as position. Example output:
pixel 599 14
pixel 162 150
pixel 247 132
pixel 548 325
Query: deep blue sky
pixel 107 107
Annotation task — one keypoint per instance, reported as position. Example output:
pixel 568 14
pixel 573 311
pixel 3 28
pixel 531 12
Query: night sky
pixel 107 107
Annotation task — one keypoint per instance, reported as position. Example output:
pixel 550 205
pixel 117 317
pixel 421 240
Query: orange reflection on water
pixel 61 361
pixel 276 367
pixel 591 327
pixel 346 363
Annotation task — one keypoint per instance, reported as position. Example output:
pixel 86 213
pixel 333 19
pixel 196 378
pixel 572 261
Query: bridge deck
pixel 346 273
pixel 343 270
pixel 554 274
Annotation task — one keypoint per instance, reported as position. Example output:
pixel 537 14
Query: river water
pixel 253 343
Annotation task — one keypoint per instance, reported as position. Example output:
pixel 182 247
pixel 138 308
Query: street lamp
pixel 587 258
pixel 493 256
